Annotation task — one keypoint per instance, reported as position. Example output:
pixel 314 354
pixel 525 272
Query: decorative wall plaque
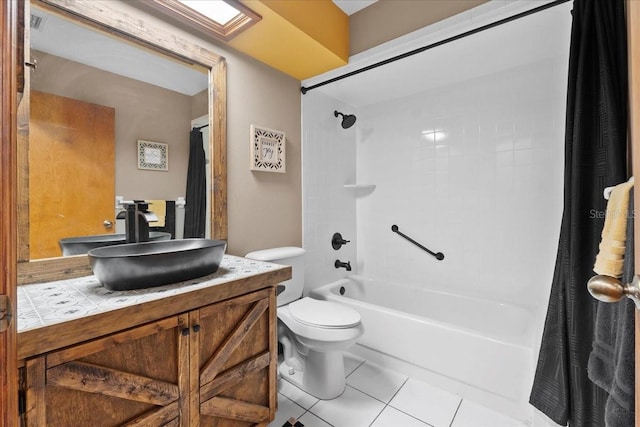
pixel 267 150
pixel 153 155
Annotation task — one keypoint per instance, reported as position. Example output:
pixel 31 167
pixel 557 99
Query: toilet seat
pixel 324 314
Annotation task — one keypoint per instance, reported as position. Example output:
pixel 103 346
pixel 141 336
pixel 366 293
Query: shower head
pixel 347 119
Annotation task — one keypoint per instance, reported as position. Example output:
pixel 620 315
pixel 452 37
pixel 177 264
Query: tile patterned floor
pixel 378 397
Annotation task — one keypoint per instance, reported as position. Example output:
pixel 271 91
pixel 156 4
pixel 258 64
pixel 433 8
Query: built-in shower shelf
pixel 360 186
pixel 360 190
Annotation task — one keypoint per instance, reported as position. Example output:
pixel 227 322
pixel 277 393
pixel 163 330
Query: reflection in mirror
pixel 93 98
pixel 130 112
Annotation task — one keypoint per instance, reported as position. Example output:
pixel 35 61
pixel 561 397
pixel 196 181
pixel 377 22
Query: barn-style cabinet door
pixel 233 361
pixel 137 377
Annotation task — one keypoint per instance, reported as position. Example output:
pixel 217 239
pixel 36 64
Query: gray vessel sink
pixel 144 265
pixel 83 244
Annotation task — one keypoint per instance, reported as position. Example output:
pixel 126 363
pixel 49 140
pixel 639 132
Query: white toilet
pixel 313 333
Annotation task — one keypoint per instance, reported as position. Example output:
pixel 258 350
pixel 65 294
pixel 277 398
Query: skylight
pixel 219 18
pixel 217 10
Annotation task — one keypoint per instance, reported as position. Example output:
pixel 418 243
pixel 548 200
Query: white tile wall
pixel 328 163
pixel 473 170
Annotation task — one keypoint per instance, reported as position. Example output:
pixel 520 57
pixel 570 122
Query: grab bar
pixel 439 256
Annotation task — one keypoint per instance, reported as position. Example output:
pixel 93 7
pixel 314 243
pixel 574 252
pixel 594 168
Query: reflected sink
pixel 83 244
pixel 145 265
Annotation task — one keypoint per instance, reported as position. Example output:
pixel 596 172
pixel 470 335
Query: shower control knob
pixel 337 241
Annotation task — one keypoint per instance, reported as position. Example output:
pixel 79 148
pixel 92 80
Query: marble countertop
pixel 45 304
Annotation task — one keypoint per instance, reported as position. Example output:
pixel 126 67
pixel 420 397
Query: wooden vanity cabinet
pixel 213 366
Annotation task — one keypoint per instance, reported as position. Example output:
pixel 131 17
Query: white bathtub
pixel 480 346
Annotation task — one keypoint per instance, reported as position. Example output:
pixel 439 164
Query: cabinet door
pixel 136 377
pixel 233 362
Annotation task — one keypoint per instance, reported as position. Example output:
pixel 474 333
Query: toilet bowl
pixel 318 331
pixel 313 333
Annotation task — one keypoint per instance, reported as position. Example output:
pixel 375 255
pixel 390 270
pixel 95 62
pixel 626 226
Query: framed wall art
pixel 153 155
pixel 267 150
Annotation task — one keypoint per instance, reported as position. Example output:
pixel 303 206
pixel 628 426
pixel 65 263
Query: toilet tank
pixel 291 256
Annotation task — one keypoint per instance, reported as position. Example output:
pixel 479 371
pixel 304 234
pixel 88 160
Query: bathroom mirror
pixel 163 50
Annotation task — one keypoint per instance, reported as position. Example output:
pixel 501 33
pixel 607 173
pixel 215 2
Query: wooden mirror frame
pixel 102 15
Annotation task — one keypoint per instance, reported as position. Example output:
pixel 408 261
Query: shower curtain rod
pixel 304 89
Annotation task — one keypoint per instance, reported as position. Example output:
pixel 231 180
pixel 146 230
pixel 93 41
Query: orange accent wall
pixel 320 19
pixel 301 39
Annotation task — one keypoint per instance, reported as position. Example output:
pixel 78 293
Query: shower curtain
pixel 196 196
pixel 595 157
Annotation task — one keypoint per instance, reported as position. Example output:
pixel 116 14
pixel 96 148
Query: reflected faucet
pixel 345 265
pixel 136 221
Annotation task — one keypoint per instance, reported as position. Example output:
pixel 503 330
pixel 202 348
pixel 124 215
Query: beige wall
pixel 143 111
pixel 200 104
pixel 386 20
pixel 265 208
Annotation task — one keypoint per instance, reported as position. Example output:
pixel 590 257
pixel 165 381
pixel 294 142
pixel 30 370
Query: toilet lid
pixel 325 314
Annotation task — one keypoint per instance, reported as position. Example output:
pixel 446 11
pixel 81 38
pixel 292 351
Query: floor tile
pixel 391 417
pixel 286 410
pixel 471 414
pixel 412 403
pixel 352 409
pixel 427 403
pixel 294 393
pixel 376 381
pixel 310 420
pixel 351 362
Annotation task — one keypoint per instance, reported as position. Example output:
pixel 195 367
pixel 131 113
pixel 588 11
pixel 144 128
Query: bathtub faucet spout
pixel 345 265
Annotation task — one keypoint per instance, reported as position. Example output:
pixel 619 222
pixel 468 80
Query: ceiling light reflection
pixel 434 135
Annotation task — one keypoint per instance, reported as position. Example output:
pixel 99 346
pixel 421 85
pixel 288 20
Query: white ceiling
pixel 352 6
pixel 540 36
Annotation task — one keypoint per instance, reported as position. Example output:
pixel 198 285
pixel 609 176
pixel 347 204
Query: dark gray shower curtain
pixel 595 157
pixel 196 197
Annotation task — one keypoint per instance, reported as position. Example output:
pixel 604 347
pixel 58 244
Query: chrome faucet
pixel 136 221
pixel 345 265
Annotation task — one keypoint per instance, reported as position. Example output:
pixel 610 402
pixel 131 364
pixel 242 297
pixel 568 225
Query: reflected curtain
pixel 196 196
pixel 595 157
